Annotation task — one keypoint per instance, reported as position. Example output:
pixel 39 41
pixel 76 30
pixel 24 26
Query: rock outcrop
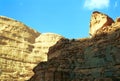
pixel 89 59
pixel 58 58
pixel 21 48
pixel 99 20
pixel 43 43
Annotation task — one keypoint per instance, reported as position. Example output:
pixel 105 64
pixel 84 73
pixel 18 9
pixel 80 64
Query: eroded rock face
pixel 99 21
pixel 43 43
pixel 89 59
pixel 21 48
pixel 16 41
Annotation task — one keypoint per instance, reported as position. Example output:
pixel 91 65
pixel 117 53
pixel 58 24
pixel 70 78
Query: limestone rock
pixel 99 21
pixel 16 41
pixel 43 43
pixel 16 30
pixel 88 59
pixel 21 48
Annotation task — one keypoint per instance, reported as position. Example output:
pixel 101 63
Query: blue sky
pixel 69 18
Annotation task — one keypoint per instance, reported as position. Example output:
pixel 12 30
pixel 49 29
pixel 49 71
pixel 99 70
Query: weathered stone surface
pixel 16 41
pixel 98 21
pixel 43 43
pixel 21 48
pixel 89 59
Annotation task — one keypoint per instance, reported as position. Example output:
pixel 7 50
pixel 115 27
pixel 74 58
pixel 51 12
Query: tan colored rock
pixel 96 58
pixel 16 44
pixel 21 48
pixel 17 30
pixel 43 43
pixel 98 21
pixel 90 59
pixel 55 51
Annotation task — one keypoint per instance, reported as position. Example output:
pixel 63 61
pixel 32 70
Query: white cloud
pixel 96 4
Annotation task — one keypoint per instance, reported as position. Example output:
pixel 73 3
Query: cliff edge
pixel 90 59
pixel 21 49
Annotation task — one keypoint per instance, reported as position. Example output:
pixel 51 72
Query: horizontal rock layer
pixel 88 59
pixel 21 48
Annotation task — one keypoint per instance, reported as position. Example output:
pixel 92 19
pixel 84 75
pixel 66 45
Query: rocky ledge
pixel 21 49
pixel 90 59
pixel 55 58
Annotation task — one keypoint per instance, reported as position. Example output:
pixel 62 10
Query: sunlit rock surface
pixel 99 21
pixel 56 58
pixel 21 48
pixel 43 43
pixel 90 59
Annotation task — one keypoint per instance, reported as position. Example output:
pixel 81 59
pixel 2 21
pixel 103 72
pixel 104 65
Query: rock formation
pixel 43 43
pixel 99 20
pixel 21 48
pixel 89 59
pixel 58 58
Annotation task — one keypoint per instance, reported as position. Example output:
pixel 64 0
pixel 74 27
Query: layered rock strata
pixel 89 59
pixel 16 41
pixel 43 43
pixel 20 49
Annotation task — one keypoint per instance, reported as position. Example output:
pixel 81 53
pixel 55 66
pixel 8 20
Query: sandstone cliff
pixel 43 43
pixel 89 59
pixel 21 48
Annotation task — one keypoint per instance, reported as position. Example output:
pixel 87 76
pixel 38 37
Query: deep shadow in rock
pixel 90 59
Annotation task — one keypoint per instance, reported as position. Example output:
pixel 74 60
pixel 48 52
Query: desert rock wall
pixel 25 52
pixel 89 59
pixel 16 44
pixel 20 49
